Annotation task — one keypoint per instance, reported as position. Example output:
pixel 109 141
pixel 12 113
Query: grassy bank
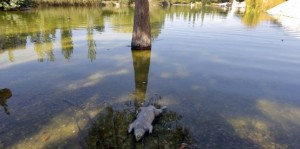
pixel 116 2
pixel 262 5
pixel 69 2
pixel 17 4
pixel 255 11
pixel 81 2
pixel 257 5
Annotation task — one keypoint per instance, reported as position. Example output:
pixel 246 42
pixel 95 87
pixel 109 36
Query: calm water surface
pixel 229 79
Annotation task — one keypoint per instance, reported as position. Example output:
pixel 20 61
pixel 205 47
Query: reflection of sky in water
pixel 234 86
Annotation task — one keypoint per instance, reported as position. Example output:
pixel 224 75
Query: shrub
pixel 13 4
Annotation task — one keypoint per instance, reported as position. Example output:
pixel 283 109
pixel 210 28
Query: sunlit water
pixel 229 79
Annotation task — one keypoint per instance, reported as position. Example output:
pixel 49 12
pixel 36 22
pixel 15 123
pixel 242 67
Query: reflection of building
pixel 290 25
pixel 141 64
pixel 5 94
pixel 289 9
pixel 288 14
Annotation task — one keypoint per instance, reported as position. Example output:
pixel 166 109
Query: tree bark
pixel 141 35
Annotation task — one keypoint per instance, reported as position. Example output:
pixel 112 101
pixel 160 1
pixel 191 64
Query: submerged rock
pixel 5 94
pixel 110 130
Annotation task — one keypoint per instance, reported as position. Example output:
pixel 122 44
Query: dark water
pixel 229 79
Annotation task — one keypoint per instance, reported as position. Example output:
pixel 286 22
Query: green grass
pixel 69 2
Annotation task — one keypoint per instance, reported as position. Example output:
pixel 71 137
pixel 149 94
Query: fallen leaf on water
pixel 44 137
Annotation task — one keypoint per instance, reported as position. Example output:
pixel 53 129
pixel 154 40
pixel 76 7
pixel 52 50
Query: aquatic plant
pixel 110 131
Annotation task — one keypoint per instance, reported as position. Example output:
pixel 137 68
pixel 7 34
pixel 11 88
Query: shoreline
pixel 109 4
pixel 288 9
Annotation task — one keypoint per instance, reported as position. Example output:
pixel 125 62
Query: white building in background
pixel 236 4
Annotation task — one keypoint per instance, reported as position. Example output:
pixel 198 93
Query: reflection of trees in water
pixel 91 44
pixel 5 94
pixel 43 45
pixel 124 17
pixel 42 25
pixel 12 42
pixel 123 20
pixel 111 126
pixel 66 43
pixel 194 15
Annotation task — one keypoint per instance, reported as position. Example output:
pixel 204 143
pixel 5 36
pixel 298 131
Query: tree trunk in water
pixel 141 36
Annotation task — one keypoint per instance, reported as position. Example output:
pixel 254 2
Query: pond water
pixel 230 79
